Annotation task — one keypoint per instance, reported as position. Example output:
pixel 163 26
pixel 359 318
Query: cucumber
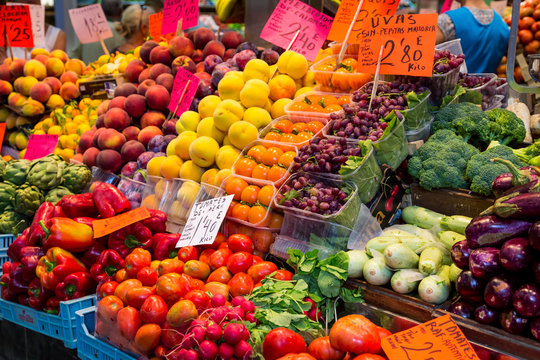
pixel 430 260
pixel 380 243
pixel 454 272
pixel 357 259
pixel 412 229
pixel 449 238
pixel 399 256
pixel 415 242
pixel 422 217
pixel 457 223
pixel 434 289
pixel 375 271
pixel 405 281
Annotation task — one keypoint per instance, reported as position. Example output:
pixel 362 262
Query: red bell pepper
pixel 157 222
pixel 44 213
pixel 89 221
pixel 107 264
pixel 68 234
pixel 23 299
pixel 4 285
pixel 135 261
pixel 109 200
pixel 91 255
pixel 164 246
pixel 130 237
pixel 56 265
pixel 14 249
pixel 30 256
pixel 78 205
pixel 17 284
pixel 38 295
pixel 74 286
pixel 52 306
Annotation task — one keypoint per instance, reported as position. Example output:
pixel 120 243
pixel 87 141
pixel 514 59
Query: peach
pixel 131 132
pixel 200 67
pixel 103 107
pixel 157 97
pixel 157 70
pixel 42 58
pixel 38 51
pixel 190 35
pixel 148 133
pixel 229 54
pixel 116 118
pixel 135 105
pixel 143 86
pixel 134 69
pixel 15 99
pixel 181 45
pixel 146 48
pixel 117 102
pixel 32 107
pixel 144 75
pixel 197 56
pixel 161 54
pixel 55 102
pixel 203 75
pixel 41 92
pixel 26 85
pixel 109 160
pixel 100 121
pixel 166 80
pixel 69 76
pixel 36 69
pixel 184 62
pixel 16 68
pixel 111 139
pixel 231 39
pixel 77 158
pixel 202 37
pixel 5 88
pixel 125 89
pixel 90 156
pixel 4 72
pixel 86 141
pixel 75 65
pixel 54 84
pixel 214 47
pixel 59 54
pixel 96 136
pixel 131 150
pixel 18 84
pixel 152 118
pixel 69 91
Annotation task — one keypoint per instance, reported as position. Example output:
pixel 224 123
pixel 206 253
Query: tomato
pixel 259 271
pixel 205 256
pixel 196 284
pixel 160 352
pixel 155 264
pixel 287 159
pixel 257 259
pixel 171 287
pixel 283 275
pixel 525 36
pixel 168 266
pixel 181 313
pixel 199 298
pixel 128 322
pixel 532 47
pixel 355 334
pixel 239 262
pixel 109 307
pixel 258 215
pixel 240 242
pixel 220 238
pixel 107 289
pixel 153 310
pixel 249 194
pixel 221 275
pixel 271 156
pixel 235 187
pixel 321 349
pixel 260 172
pixel 368 357
pixel 241 284
pixel 148 276
pixel 123 288
pixel 263 239
pixel 136 296
pixel 197 269
pixel 274 135
pixel 256 152
pixel 276 221
pixel 316 126
pixel 383 332
pixel 147 337
pixel 219 258
pixel 301 356
pixel 170 337
pixel 241 212
pixel 225 245
pixel 188 253
pixel 121 276
pixel 280 342
pixel 277 173
pixel 215 287
pixel 284 126
pixel 526 22
pixel 244 166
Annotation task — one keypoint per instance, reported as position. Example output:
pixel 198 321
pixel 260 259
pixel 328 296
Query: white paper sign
pixel 37 14
pixel 204 221
pixel 88 21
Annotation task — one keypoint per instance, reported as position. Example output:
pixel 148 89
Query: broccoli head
pixel 466 120
pixel 511 130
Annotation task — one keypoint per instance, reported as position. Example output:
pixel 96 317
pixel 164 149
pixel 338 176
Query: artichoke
pixel 3 164
pixel 54 195
pixel 12 222
pixel 27 199
pixel 45 173
pixel 16 171
pixel 7 192
pixel 76 177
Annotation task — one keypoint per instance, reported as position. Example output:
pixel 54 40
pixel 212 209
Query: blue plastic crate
pixel 90 347
pixel 5 241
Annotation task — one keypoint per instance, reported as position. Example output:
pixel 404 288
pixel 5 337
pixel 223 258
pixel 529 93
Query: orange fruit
pixel 286 159
pixel 250 193
pixel 327 100
pixel 245 166
pixel 276 173
pixel 265 195
pixel 350 62
pixel 304 136
pixel 229 210
pixel 260 172
pixel 235 187
pixel 289 138
pixel 299 106
pixel 241 212
pixel 314 126
pixel 299 126
pixel 332 108
pixel 284 126
pixel 276 220
pixel 345 99
pixel 259 215
pixel 271 156
pixel 256 152
pixel 273 136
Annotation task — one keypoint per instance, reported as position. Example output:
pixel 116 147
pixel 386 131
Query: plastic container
pixel 306 116
pixel 103 176
pixel 263 237
pixel 324 77
pixel 502 89
pixel 419 134
pixel 5 241
pixel 352 49
pixel 133 190
pixel 442 85
pixel 90 347
pixel 158 191
pixel 488 90
pixel 454 46
pixel 294 120
pixel 282 243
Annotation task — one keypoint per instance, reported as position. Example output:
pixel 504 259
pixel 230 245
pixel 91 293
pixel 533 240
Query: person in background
pixel 483 33
pixel 92 51
pixel 134 27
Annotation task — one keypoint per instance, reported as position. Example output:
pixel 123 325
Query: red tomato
pixel 181 313
pixel 241 284
pixel 215 287
pixel 240 242
pixel 109 307
pixel 199 298
pixel 124 287
pixel 321 349
pixel 260 270
pixel 135 297
pixel 171 287
pixel 355 334
pixel 148 276
pixel 128 322
pixel 107 289
pixel 154 310
pixel 369 357
pixel 168 266
pixel 196 284
pixel 219 258
pixel 283 275
pixel 383 332
pixel 147 337
pixel 197 269
pixel 205 256
pixel 188 253
pixel 239 262
pixel 221 275
pixel 280 342
pixel 257 259
pixel 301 356
pixel 170 337
pixel 223 246
pixel 220 239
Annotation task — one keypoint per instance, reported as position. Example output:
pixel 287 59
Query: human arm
pixel 60 43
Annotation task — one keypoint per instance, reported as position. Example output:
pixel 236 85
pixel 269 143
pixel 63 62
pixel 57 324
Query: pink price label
pixel 180 80
pixel 174 10
pixel 291 16
pixel 40 146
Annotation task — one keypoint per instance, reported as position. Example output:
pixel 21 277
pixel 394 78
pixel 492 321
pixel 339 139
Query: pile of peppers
pixel 57 258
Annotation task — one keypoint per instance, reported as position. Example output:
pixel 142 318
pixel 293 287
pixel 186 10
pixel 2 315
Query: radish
pixel 236 313
pixel 208 350
pixel 178 354
pixel 218 300
pixel 242 350
pixel 245 335
pixel 225 351
pixel 198 333
pixel 251 318
pixel 233 333
pixel 213 332
pixel 248 306
pixel 188 342
pixel 198 323
pixel 219 314
pixel 237 300
pixel 314 314
pixel 191 355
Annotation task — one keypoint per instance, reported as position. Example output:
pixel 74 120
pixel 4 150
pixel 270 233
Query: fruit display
pixel 285 129
pixel 480 89
pixel 316 105
pixel 528 26
pixel 341 78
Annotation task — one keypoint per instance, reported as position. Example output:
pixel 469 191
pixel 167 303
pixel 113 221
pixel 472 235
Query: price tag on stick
pixel 292 16
pixel 439 338
pixel 37 14
pixel 107 226
pixel 90 23
pixel 184 88
pixel 155 22
pixel 408 44
pixel 174 10
pixel 204 221
pixel 40 146
pixel 16 25
pixel 2 132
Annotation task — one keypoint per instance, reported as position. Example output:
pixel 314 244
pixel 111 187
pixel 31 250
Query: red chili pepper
pixel 14 249
pixel 135 261
pixel 164 246
pixel 38 295
pixel 130 237
pixel 30 256
pixel 78 205
pixel 74 286
pixel 91 255
pixel 107 264
pixel 109 200
pixel 157 222
pixel 44 213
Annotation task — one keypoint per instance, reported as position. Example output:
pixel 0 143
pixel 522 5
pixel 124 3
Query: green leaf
pixel 329 284
pixel 291 194
pixel 351 295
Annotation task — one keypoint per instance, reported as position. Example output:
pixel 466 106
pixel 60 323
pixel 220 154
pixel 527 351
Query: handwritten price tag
pixel 408 44
pixel 155 22
pixel 345 16
pixel 16 23
pixel 291 16
pixel 204 221
pixel 174 10
pixel 2 132
pixel 40 146
pixel 180 81
pixel 440 338
pixel 37 14
pixel 88 22
pixel 107 226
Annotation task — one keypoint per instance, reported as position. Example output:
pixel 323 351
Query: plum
pixel 270 56
pixel 243 57
pixel 247 46
pixel 144 158
pixel 211 61
pixel 128 170
pixel 157 144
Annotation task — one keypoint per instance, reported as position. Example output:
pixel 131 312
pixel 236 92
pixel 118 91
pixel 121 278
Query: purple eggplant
pixel 486 315
pixel 515 177
pixel 498 292
pixel 516 254
pixel 491 230
pixel 518 206
pixel 535 328
pixel 536 271
pixel 534 235
pixel 484 262
pixel 460 254
pixel 512 322
pixel 533 186
pixel 462 308
pixel 469 287
pixel 526 300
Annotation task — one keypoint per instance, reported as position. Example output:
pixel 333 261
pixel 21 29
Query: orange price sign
pixel 104 227
pixel 155 21
pixel 408 43
pixel 2 132
pixel 440 338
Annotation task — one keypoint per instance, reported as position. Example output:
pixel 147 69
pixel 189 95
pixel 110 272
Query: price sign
pixel 16 23
pixel 440 338
pixel 107 226
pixel 180 80
pixel 40 146
pixel 155 22
pixel 345 16
pixel 408 43
pixel 174 10
pixel 204 221
pixel 291 16
pixel 37 14
pixel 2 132
pixel 88 22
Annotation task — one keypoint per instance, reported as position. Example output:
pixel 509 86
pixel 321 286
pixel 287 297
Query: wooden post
pixel 376 79
pixel 179 31
pixel 348 35
pixel 288 48
pixel 103 46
